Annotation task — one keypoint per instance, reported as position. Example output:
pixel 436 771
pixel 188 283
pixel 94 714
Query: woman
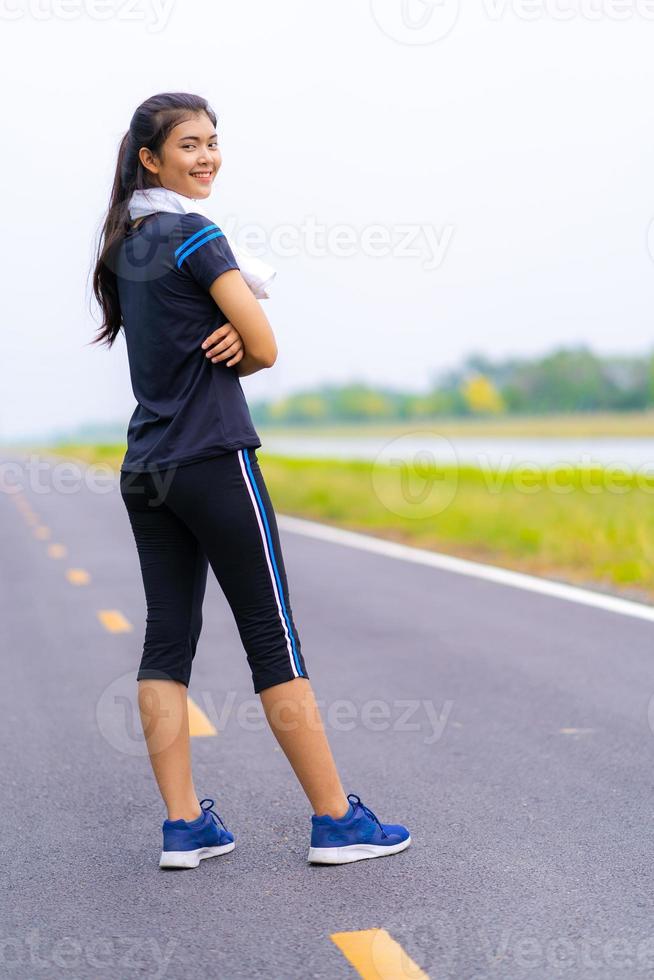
pixel 192 486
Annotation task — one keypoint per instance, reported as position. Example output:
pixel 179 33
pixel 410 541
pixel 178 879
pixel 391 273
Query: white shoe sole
pixel 353 852
pixel 191 859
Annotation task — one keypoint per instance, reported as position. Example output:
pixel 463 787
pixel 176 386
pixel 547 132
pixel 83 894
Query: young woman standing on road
pixel 192 486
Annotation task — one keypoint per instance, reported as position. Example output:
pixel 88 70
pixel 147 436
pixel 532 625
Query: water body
pixel 630 455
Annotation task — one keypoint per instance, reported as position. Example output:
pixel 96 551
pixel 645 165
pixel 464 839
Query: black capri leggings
pixel 218 512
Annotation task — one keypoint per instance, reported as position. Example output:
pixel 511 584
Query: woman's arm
pixel 244 312
pixel 248 365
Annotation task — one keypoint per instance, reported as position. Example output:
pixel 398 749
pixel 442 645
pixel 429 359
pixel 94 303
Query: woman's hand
pixel 225 342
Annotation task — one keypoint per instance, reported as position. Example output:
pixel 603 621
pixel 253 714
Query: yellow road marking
pixel 198 723
pixel 56 550
pixel 375 955
pixel 77 576
pixel 114 621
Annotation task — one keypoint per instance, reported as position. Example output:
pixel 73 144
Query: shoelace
pixel 356 801
pixel 210 810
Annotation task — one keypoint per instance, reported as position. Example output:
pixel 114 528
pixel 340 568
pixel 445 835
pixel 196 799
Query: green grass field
pixel 589 528
pixel 568 425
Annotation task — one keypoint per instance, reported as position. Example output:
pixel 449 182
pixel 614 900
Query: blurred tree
pixel 482 396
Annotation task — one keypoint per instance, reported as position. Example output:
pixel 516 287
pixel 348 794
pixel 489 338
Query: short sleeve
pixel 204 251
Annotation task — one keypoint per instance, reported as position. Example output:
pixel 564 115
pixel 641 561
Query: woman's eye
pixel 191 146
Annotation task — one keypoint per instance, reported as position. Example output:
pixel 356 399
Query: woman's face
pixel 190 158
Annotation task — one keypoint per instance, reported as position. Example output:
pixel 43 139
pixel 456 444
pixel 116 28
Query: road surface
pixel 510 730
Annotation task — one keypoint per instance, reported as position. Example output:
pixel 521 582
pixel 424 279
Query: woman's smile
pixel 203 175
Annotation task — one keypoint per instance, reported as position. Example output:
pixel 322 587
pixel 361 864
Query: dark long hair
pixel 150 125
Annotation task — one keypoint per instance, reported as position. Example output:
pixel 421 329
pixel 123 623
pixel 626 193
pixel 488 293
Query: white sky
pixel 522 138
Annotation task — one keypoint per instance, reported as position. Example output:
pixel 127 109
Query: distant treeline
pixel 566 380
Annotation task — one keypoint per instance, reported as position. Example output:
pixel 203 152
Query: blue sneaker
pixel 186 843
pixel 355 836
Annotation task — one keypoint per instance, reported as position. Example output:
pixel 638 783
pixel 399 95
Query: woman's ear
pixel 148 160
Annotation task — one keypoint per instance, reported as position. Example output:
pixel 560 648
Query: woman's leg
pixel 174 571
pixel 163 706
pixel 294 718
pixel 225 502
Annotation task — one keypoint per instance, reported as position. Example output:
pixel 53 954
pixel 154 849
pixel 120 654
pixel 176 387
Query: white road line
pixel 463 566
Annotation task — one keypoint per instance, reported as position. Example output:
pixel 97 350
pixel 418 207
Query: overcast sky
pixel 505 149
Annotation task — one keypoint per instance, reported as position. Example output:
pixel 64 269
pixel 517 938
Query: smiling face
pixel 190 158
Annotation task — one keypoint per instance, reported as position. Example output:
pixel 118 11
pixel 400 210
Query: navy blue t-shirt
pixel 188 408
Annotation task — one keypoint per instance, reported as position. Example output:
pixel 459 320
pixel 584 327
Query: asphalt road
pixel 509 730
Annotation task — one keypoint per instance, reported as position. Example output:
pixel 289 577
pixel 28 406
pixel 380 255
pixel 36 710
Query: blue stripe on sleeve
pixel 203 241
pixel 197 234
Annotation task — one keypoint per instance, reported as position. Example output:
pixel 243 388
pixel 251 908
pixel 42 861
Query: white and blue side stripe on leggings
pixel 264 528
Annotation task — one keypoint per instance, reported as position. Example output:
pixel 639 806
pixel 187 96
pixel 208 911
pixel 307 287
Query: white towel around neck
pixel 257 274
